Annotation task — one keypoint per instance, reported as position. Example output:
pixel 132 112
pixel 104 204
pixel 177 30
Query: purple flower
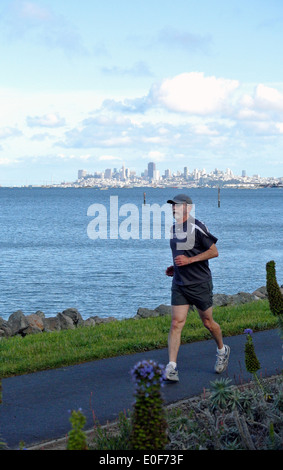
pixel 147 374
pixel 248 331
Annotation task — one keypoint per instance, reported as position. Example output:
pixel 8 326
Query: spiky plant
pixel 251 361
pixel 149 425
pixel 275 296
pixel 222 394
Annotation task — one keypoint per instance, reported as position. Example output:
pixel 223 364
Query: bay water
pixel 49 262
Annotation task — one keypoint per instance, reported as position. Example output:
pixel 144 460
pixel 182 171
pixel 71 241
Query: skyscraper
pixel 81 174
pixel 108 173
pixel 151 168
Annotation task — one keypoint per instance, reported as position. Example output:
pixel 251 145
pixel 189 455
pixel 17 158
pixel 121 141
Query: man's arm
pixel 212 252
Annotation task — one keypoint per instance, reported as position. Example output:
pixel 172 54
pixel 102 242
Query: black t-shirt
pixel 189 239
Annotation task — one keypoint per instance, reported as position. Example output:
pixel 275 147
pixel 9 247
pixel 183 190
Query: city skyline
pixel 95 84
pixel 151 176
pixel 153 172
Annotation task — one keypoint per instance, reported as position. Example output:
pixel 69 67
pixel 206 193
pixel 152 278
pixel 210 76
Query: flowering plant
pixel 149 423
pixel 251 360
pixel 148 376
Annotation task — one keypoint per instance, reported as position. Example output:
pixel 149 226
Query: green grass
pixel 61 348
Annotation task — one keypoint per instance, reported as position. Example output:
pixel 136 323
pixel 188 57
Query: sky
pixel 94 85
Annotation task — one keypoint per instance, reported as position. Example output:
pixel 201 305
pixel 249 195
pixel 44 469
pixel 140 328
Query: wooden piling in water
pixel 218 196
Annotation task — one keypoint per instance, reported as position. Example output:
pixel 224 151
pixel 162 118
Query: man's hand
pixel 182 260
pixel 170 271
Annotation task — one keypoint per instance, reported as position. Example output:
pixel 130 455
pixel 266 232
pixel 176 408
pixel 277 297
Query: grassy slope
pixel 50 350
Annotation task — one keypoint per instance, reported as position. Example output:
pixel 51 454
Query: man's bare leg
pixel 212 326
pixel 223 351
pixel 179 316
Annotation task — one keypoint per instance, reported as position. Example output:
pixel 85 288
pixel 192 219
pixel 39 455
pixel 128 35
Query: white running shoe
pixel 171 373
pixel 222 360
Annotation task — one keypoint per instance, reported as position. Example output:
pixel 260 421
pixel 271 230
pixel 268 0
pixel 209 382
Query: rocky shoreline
pixel 70 319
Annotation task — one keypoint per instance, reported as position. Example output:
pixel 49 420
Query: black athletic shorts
pixel 199 295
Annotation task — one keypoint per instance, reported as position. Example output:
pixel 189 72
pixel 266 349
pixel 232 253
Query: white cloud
pixel 268 98
pixel 116 141
pixel 203 129
pixel 63 156
pixel 31 10
pixel 7 132
pixel 104 120
pixel 23 19
pixel 109 158
pixel 155 156
pixel 265 103
pixel 172 37
pixel 41 137
pixel 7 161
pixel 139 69
pixel 193 93
pixel 279 126
pixel 48 120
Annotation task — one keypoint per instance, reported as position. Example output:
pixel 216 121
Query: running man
pixel 192 246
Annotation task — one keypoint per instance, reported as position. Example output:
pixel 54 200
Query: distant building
pixel 122 173
pixel 196 174
pixel 186 172
pixel 82 174
pixel 151 168
pixel 156 175
pixel 244 173
pixel 108 174
pixel 167 174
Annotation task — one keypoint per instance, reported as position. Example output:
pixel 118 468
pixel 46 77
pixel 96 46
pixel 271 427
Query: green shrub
pixel 107 439
pixel 77 437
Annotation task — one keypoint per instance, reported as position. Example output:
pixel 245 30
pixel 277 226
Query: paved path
pixel 35 406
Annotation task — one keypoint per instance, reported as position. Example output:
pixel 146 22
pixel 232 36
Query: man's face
pixel 180 211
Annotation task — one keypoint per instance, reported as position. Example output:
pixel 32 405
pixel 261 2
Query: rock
pixel 261 292
pixel 35 321
pixel 2 334
pixel 163 310
pixel 32 330
pixel 40 314
pixel 35 325
pixel 5 329
pixel 51 324
pixel 75 316
pixel 108 319
pixel 99 320
pixel 17 323
pixel 220 300
pixel 242 298
pixel 90 322
pixel 66 322
pixel 146 313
